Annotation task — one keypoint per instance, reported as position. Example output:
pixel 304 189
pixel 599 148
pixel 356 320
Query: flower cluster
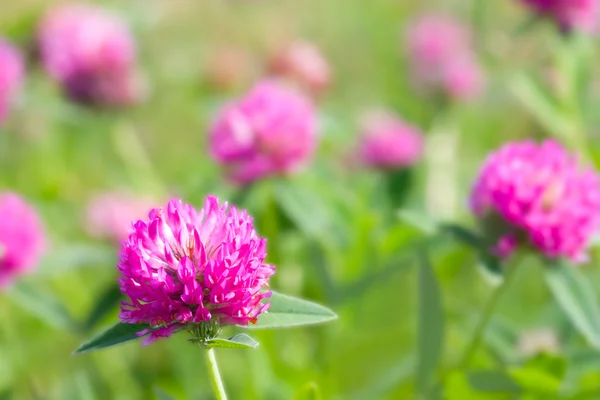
pixel 109 215
pixel 270 131
pixel 22 239
pixel 442 57
pixel 91 53
pixel 302 62
pixel 389 142
pixel 537 195
pixel 183 267
pixel 11 75
pixel 581 15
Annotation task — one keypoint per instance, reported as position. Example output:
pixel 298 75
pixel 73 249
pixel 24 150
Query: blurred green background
pixel 332 231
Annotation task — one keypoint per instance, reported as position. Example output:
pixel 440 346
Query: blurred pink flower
pixel 91 53
pixel 538 195
pixel 442 58
pixel 109 215
pixel 22 239
pixel 581 15
pixel 302 63
pixel 272 130
pixel 183 267
pixel 463 79
pixel 11 75
pixel 389 142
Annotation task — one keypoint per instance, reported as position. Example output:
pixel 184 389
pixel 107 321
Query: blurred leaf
pixel 576 297
pixel 43 305
pixel 430 324
pixel 116 334
pixel 501 337
pixel 106 303
pixel 398 184
pixel 77 255
pixel 240 341
pixel 304 207
pixel 419 220
pixel 531 96
pixel 493 382
pixel 161 394
pixel 535 381
pixel 458 387
pixel 551 364
pixel 463 235
pixel 287 311
pixel 310 391
pixel 393 377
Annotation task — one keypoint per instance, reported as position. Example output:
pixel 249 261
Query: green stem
pixel 215 376
pixel 490 307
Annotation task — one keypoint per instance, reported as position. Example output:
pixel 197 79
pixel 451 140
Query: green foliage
pixel 575 295
pixel 287 311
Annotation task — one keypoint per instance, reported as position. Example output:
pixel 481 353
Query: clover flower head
pixel 22 238
pixel 91 53
pixel 184 268
pixel 272 130
pixel 388 142
pixel 537 195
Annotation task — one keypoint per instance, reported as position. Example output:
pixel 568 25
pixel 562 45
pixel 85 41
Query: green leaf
pixel 540 104
pixel 309 391
pixel 288 311
pixel 116 334
pixel 430 325
pixel 304 207
pixel 43 305
pixel 398 184
pixel 535 381
pixel 575 296
pixel 107 302
pixel 77 255
pixel 240 341
pixel 493 382
pixel 161 394
pixel 419 220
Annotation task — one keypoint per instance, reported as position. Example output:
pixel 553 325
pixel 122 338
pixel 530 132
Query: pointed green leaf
pixel 430 325
pixel 287 311
pixel 576 297
pixel 116 334
pixel 241 341
pixel 43 305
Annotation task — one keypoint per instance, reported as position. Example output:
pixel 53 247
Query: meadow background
pixel 333 231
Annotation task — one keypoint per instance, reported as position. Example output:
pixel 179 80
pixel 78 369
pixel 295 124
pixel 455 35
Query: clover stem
pixel 490 307
pixel 215 376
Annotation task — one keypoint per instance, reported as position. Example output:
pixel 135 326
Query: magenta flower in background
pixel 581 15
pixel 537 195
pixel 182 267
pixel 11 75
pixel 22 238
pixel 389 142
pixel 272 130
pixel 303 63
pixel 109 215
pixel 442 58
pixel 91 53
